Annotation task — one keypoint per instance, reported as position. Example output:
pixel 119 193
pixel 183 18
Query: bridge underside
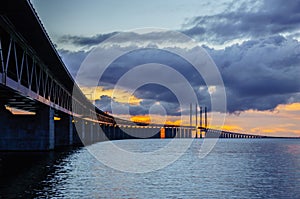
pixel 28 124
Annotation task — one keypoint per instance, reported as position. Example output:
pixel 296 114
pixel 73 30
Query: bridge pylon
pixel 202 128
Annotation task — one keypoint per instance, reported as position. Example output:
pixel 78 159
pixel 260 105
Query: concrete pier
pixel 27 132
pixel 63 129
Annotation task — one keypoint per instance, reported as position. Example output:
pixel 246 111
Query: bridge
pixel 38 107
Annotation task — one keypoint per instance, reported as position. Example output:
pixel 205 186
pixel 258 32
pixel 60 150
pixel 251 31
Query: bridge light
pixel 16 111
pixel 56 118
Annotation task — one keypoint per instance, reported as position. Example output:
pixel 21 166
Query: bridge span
pixel 38 107
pixel 34 79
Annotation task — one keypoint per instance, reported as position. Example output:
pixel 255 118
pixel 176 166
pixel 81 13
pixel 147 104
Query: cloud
pixel 141 38
pixel 154 92
pixel 107 103
pixel 84 41
pixel 259 74
pixel 249 19
pixel 147 55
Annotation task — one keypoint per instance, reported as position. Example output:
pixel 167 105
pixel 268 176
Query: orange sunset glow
pixel 122 96
pixel 283 121
pixel 155 119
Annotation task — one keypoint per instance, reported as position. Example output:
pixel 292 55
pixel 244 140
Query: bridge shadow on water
pixel 22 172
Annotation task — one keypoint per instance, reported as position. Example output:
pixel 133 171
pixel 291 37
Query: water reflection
pixel 236 168
pixel 20 172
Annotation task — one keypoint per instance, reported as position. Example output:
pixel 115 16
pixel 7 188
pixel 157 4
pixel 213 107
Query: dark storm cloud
pixel 246 21
pixel 143 56
pixel 109 104
pixel 260 74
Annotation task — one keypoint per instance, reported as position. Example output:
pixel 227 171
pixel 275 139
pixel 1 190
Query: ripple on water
pixel 254 168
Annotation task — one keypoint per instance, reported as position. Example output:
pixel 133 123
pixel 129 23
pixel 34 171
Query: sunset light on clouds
pixel 255 46
pixel 283 120
pixel 121 96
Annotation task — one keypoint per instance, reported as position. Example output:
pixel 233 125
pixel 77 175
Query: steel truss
pixel 23 71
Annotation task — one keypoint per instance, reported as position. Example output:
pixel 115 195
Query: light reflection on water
pixel 236 168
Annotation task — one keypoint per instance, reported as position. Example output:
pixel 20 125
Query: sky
pixel 255 46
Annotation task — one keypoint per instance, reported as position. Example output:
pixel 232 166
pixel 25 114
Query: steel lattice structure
pixel 31 80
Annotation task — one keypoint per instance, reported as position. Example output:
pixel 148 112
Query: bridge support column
pixel 63 130
pixel 186 133
pixel 71 130
pixel 82 132
pixel 97 132
pixel 180 132
pixel 168 132
pixel 117 132
pixel 174 132
pixel 107 132
pixel 124 132
pixel 76 126
pixel 101 133
pixel 114 132
pixel 80 128
pixel 27 132
pixel 92 131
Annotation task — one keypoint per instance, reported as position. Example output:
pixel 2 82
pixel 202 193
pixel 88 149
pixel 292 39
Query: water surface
pixel 235 168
